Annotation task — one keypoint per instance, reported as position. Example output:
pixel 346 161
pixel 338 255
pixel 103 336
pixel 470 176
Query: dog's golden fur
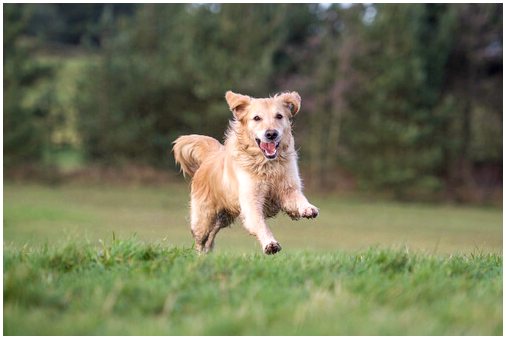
pixel 254 175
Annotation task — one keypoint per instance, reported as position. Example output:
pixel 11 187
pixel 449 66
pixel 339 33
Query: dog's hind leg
pixel 222 220
pixel 202 222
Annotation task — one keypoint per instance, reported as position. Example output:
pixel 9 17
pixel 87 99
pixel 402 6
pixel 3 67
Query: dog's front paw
pixel 309 211
pixel 272 248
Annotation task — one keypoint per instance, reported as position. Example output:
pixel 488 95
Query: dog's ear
pixel 237 103
pixel 292 101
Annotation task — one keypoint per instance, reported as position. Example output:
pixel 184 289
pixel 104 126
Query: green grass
pixel 134 288
pixel 361 268
pixel 36 214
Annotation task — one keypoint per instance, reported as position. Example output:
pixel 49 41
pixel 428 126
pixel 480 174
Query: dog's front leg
pixel 296 205
pixel 293 202
pixel 253 220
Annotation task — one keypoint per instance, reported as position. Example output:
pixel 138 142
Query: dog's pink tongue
pixel 268 147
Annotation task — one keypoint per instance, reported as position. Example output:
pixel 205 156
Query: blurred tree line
pixel 404 98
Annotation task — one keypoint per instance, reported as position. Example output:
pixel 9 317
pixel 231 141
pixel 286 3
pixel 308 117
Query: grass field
pixel 72 266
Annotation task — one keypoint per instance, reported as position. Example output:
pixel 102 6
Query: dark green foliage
pixel 26 128
pixel 403 98
pixel 173 65
pixel 131 288
pixel 396 133
pixel 72 24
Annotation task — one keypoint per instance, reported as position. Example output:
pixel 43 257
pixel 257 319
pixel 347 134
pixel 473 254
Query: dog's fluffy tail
pixel 191 150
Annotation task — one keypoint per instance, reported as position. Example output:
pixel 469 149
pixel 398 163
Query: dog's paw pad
pixel 272 248
pixel 309 212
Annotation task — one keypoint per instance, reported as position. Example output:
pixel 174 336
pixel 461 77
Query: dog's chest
pixel 271 207
pixel 271 197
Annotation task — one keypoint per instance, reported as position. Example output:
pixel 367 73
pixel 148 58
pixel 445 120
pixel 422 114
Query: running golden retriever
pixel 254 175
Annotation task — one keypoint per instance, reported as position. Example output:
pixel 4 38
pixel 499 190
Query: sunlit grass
pixel 126 287
pixel 37 214
pixel 71 267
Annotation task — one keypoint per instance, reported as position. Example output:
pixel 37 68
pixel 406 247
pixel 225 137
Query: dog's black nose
pixel 271 134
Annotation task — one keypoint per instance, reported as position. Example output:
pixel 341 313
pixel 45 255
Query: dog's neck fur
pixel 245 152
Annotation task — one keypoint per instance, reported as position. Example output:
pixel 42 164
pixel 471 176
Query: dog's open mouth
pixel 270 149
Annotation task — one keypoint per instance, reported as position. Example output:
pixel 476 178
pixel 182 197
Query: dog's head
pixel 266 121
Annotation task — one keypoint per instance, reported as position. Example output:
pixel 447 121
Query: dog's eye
pixel 257 118
pixel 279 116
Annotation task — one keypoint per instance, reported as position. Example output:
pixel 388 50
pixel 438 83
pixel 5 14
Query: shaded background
pixel 402 100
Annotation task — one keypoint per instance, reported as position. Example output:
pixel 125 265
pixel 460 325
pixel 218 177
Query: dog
pixel 254 175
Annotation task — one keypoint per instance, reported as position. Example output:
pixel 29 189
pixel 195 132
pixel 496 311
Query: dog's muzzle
pixel 270 143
